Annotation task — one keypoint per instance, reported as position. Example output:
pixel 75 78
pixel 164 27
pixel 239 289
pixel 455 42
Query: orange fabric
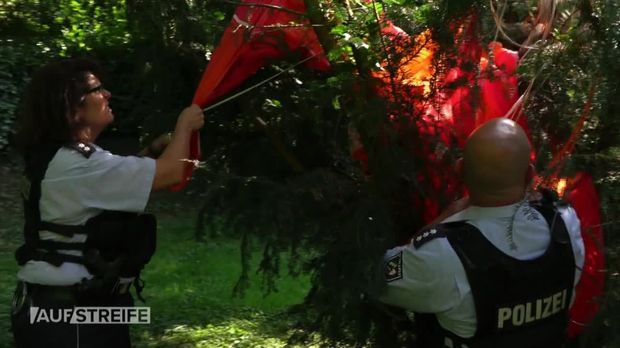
pixel 464 100
pixel 473 90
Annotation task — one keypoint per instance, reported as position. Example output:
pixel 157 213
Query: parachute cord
pixel 213 106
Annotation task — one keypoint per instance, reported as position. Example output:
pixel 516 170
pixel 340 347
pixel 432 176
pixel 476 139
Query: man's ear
pixel 530 174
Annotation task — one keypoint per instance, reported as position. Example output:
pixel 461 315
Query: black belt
pixel 69 292
pixel 52 293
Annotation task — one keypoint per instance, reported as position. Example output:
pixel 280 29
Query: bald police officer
pixel 498 270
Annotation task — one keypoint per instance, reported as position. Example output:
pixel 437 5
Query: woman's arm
pixel 157 146
pixel 169 166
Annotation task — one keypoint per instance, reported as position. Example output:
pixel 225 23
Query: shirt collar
pixel 475 212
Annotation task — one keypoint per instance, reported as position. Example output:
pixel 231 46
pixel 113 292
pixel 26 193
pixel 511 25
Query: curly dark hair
pixel 47 115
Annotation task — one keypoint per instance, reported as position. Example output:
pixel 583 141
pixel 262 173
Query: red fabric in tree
pixel 456 111
pixel 584 199
pixel 260 31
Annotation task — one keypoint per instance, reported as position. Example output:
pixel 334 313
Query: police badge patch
pixel 394 267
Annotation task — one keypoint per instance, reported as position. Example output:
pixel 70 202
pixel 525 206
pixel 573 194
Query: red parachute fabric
pixel 260 31
pixel 584 199
pixel 457 111
pixel 450 116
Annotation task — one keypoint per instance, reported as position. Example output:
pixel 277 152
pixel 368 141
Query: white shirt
pixel 434 280
pixel 76 188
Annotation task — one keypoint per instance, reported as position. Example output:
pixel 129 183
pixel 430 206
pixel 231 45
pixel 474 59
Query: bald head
pixel 496 162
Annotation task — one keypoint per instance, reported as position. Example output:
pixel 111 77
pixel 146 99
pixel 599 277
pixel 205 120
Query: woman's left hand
pixel 157 146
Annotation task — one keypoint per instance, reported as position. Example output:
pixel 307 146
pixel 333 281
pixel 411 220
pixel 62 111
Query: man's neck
pixel 490 200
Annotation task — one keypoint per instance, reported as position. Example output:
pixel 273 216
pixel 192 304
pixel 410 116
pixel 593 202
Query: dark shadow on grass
pixel 189 290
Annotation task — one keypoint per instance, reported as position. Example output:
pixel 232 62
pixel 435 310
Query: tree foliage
pixel 278 170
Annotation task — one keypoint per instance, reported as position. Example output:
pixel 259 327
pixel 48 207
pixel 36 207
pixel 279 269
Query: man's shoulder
pixel 436 232
pixel 427 235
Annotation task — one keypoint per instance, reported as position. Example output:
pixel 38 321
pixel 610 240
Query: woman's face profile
pixel 94 110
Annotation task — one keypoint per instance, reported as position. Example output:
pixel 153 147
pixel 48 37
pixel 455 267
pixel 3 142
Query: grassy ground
pixel 188 284
pixel 189 291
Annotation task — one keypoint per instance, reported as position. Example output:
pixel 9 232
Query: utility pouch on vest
pixel 119 244
pixel 115 234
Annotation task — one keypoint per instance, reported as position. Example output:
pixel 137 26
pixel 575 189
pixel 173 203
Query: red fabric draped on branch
pixel 481 85
pixel 261 31
pixel 467 97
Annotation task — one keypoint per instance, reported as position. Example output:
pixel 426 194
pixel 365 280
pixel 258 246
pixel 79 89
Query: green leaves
pixel 17 60
pixel 87 25
pixel 156 51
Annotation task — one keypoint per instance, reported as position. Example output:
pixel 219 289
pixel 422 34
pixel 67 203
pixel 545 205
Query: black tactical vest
pixel 519 304
pixel 118 244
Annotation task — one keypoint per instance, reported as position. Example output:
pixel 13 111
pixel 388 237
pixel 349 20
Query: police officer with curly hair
pixel 86 235
pixel 499 268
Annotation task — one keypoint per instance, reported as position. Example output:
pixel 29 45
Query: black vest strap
pixel 118 244
pixel 35 167
pixel 519 303
pixel 34 248
pixel 25 254
pixel 54 245
pixel 65 230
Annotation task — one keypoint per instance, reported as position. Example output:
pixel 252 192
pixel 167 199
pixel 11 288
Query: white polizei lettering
pixel 557 302
pixel 539 304
pixel 564 299
pixel 547 302
pixel 503 314
pixel 528 312
pixel 518 315
pixel 529 316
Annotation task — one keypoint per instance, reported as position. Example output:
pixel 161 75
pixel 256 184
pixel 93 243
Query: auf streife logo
pixel 91 315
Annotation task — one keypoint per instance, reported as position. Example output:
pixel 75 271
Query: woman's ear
pixel 78 116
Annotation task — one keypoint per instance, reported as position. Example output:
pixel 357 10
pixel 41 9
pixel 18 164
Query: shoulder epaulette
pixel 85 149
pixel 427 235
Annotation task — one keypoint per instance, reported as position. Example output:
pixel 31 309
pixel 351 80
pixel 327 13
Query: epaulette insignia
pixel 394 267
pixel 85 149
pixel 427 235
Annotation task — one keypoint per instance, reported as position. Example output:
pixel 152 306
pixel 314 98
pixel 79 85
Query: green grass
pixel 189 291
pixel 188 287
